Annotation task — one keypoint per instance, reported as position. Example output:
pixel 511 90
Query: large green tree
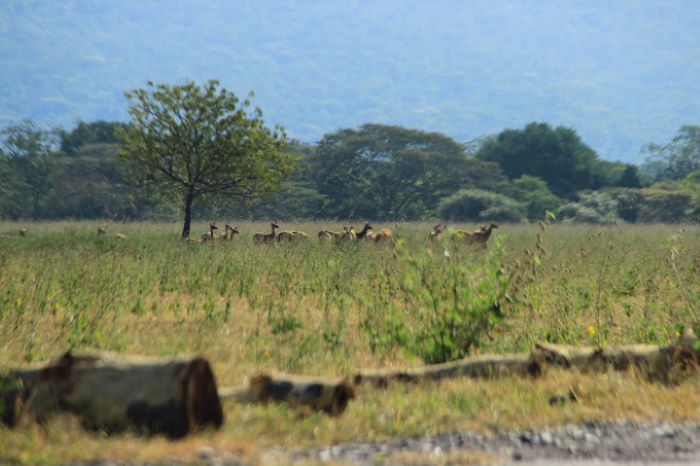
pixel 556 155
pixel 382 171
pixel 191 141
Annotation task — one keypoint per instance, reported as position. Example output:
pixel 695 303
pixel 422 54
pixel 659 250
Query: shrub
pixel 457 301
pixel 653 205
pixel 594 207
pixel 535 194
pixel 476 205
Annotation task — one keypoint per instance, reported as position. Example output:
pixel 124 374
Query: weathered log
pixel 327 395
pixel 113 393
pixel 482 366
pixel 658 362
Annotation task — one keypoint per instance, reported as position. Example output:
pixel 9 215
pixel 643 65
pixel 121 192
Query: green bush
pixel 535 194
pixel 457 301
pixel 656 205
pixel 593 207
pixel 477 205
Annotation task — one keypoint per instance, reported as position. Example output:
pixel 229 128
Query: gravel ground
pixel 592 443
pixel 572 444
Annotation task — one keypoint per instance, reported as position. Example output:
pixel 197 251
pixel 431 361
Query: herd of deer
pixel 480 236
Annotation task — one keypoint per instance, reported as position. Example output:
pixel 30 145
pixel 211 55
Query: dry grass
pixel 304 308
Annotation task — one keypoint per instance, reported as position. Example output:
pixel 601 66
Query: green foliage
pixel 676 159
pixel 457 301
pixel 30 155
pixel 95 132
pixel 392 172
pixel 557 156
pixel 188 142
pixel 596 207
pixel 652 205
pixel 476 205
pixel 535 194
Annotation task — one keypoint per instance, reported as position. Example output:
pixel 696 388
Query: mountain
pixel 622 73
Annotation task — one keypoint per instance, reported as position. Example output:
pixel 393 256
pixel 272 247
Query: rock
pixel 546 438
pixel 205 453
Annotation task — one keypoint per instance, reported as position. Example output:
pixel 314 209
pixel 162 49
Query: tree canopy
pixel 190 142
pixel 381 171
pixel 676 159
pixel 556 155
pixel 29 154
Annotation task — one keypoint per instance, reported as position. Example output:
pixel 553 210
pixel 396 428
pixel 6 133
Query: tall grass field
pixel 326 308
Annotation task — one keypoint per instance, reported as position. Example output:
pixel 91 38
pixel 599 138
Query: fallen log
pixel 113 393
pixel 481 366
pixel 328 395
pixel 664 363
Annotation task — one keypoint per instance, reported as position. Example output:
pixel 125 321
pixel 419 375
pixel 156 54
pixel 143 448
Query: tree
pixel 95 132
pixel 193 142
pixel 558 156
pixel 676 159
pixel 30 154
pixel 382 171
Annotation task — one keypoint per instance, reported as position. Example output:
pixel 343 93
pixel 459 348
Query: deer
pixel 328 235
pixel 229 233
pixel 104 229
pixel 287 236
pixel 366 232
pixel 349 234
pixel 266 237
pixel 23 232
pixel 436 232
pixel 296 234
pixel 382 235
pixel 209 236
pixel 121 236
pixel 480 236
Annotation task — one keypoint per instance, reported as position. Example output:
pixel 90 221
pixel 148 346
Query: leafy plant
pixel 457 300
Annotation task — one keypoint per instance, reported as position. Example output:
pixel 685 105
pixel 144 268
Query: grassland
pixel 318 308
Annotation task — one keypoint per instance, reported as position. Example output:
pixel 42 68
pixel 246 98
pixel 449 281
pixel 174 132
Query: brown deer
pixel 436 232
pixel 328 235
pixel 382 235
pixel 104 230
pixel 349 234
pixel 266 237
pixel 285 236
pixel 229 233
pixel 480 236
pixel 209 236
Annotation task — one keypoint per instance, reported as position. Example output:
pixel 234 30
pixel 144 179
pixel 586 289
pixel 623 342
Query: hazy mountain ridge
pixel 622 78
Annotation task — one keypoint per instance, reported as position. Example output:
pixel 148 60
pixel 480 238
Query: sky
pixel 622 73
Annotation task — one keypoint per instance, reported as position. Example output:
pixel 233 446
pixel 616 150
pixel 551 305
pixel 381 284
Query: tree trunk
pixel 189 199
pixel 482 366
pixel 113 393
pixel 317 394
pixel 35 206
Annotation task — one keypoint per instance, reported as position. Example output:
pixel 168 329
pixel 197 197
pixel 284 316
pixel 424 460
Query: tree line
pixel 192 151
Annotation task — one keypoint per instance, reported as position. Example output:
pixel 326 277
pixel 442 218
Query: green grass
pixel 319 308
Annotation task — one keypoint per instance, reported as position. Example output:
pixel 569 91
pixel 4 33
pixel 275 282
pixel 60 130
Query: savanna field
pixel 321 308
